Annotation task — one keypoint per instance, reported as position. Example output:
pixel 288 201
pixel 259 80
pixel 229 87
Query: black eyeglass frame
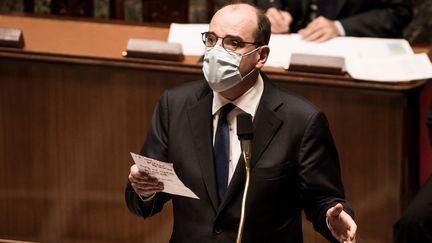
pixel 203 35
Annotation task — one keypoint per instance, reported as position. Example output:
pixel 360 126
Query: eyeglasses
pixel 229 43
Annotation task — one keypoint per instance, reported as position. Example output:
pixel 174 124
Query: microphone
pixel 245 135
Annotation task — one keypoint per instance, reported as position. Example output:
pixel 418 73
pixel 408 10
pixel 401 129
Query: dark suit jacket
pixel 363 18
pixel 294 164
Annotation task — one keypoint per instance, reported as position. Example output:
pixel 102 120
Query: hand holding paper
pixel 165 173
pixel 144 184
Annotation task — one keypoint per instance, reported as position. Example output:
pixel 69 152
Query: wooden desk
pixel 71 110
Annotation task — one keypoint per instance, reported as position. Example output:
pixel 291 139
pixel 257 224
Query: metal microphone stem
pixel 246 152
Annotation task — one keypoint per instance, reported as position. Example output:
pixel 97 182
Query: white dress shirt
pixel 248 102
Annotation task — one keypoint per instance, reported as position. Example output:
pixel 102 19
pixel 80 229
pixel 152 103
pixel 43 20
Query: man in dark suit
pixel 320 20
pixel 294 163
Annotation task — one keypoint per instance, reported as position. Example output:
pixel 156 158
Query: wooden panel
pixel 66 132
pixel 72 38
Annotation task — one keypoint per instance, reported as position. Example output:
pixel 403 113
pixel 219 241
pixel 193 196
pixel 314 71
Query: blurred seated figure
pixel 415 224
pixel 320 20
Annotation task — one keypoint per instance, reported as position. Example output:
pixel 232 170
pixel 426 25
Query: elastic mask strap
pixel 247 53
pixel 251 71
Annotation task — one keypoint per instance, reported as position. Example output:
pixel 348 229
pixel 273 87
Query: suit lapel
pixel 266 125
pixel 201 127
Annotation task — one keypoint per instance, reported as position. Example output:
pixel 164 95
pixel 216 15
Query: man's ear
pixel 263 53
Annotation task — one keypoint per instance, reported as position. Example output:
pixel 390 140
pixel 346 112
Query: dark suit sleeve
pixel 387 19
pixel 147 209
pixel 155 147
pixel 320 178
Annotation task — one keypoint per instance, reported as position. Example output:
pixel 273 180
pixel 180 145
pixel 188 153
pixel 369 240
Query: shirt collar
pixel 247 102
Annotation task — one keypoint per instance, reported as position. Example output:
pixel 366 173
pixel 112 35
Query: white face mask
pixel 221 68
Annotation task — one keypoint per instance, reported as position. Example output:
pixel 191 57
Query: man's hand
pixel 341 225
pixel 142 183
pixel 319 30
pixel 280 20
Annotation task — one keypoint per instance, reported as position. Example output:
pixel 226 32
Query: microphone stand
pixel 246 156
pixel 245 135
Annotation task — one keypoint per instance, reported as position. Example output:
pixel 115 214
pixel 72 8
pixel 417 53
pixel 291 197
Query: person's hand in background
pixel 319 30
pixel 280 20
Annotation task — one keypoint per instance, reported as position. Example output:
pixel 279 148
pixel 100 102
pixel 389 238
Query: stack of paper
pixel 375 59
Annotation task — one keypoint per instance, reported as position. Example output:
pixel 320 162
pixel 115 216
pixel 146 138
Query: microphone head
pixel 244 126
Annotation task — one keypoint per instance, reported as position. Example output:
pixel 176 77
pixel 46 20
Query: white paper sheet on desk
pixel 372 59
pixel 391 69
pixel 189 35
pixel 165 173
pixel 283 45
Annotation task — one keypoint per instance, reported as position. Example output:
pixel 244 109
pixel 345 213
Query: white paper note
pixel 283 45
pixel 165 173
pixel 401 68
pixel 189 36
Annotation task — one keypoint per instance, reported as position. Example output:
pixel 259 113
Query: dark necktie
pixel 221 150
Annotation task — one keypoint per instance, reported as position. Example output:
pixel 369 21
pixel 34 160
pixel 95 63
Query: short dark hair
pixel 263 32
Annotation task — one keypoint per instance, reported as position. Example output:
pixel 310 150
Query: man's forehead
pixel 234 22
